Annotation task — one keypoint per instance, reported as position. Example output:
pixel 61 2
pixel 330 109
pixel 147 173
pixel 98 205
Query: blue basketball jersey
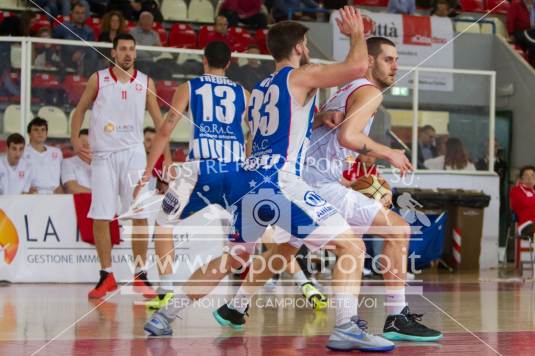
pixel 216 108
pixel 280 127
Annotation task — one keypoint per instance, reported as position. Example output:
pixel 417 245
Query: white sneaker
pixel 354 336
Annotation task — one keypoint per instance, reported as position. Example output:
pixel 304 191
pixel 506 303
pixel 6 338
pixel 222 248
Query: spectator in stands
pixel 522 198
pixel 251 73
pixel 455 159
pixel 45 55
pixel 145 36
pixel 55 7
pixel 442 9
pixel 132 9
pixel 16 175
pixel 404 7
pixel 112 24
pixel 521 25
pixel 221 32
pixel 280 8
pixel 76 173
pixel 11 26
pixel 426 144
pixel 45 160
pixel 99 7
pixel 247 12
pixel 83 60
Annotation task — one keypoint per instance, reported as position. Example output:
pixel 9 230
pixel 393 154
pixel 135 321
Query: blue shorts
pixel 198 184
pixel 269 197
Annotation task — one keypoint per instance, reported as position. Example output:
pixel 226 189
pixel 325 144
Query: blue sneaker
pixel 354 336
pixel 158 325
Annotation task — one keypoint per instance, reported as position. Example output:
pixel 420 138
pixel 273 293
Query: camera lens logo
pixel 266 212
pixel 313 199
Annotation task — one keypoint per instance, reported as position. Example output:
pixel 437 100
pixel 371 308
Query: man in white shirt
pixel 76 173
pixel 15 173
pixel 45 160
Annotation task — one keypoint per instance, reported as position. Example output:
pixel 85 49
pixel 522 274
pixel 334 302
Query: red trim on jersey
pixel 134 76
pixel 113 74
pixel 354 90
pixel 98 85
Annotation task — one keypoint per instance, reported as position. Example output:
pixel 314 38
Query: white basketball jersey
pixel 17 179
pixel 75 169
pixel 46 166
pixel 326 158
pixel 118 112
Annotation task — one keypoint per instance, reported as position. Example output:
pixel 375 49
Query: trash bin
pixel 464 230
pixel 425 210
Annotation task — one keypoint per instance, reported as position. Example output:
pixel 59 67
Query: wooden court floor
pixel 479 314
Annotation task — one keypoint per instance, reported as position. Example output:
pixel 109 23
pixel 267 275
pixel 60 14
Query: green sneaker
pixel 160 300
pixel 313 295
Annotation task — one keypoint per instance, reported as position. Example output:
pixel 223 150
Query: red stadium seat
pixel 378 3
pixel 45 81
pixel 261 35
pixel 204 35
pixel 3 146
pixel 473 5
pixel 182 36
pixel 60 19
pixel 165 90
pixel 179 155
pixel 241 38
pixel 163 35
pixel 39 24
pixel 74 86
pixel 95 24
pixel 502 7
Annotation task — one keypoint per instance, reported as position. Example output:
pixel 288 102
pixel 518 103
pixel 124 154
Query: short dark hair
pixel 282 38
pixel 77 4
pixel 526 168
pixel 124 37
pixel 427 128
pixel 217 54
pixel 83 132
pixel 15 138
pixel 442 2
pixel 149 129
pixel 374 45
pixel 38 122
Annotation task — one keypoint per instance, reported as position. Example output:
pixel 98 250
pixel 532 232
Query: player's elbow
pixel 358 68
pixel 346 139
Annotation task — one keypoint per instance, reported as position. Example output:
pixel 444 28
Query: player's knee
pixel 350 244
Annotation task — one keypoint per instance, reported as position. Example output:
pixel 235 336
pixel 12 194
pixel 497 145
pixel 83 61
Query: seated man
pixel 522 198
pixel 75 172
pixel 45 160
pixel 16 176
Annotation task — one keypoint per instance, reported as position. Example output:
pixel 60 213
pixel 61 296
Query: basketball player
pixel 16 174
pixel 216 105
pixel 44 159
pixel 76 173
pixel 358 101
pixel 119 95
pixel 281 115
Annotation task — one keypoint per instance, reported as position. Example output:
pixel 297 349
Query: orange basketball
pixel 372 186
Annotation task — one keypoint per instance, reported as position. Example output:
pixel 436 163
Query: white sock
pixel 395 300
pixel 346 307
pixel 108 270
pixel 138 270
pixel 166 281
pixel 300 278
pixel 240 301
pixel 176 304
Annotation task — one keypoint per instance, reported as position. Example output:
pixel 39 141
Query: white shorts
pixel 115 174
pixel 357 209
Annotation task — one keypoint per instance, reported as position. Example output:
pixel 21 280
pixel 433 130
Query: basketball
pixel 373 187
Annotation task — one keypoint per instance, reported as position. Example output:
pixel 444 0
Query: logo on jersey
pixel 54 155
pixel 109 127
pixel 139 87
pixel 107 78
pixel 170 204
pixel 21 174
pixel 313 199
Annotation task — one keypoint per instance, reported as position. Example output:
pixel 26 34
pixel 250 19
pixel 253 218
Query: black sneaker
pixel 406 327
pixel 230 317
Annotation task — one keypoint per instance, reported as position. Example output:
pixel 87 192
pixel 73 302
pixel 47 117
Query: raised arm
pixel 362 104
pixel 354 66
pixel 88 96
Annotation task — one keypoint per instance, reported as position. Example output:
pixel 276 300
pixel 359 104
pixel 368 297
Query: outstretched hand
pixel 350 21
